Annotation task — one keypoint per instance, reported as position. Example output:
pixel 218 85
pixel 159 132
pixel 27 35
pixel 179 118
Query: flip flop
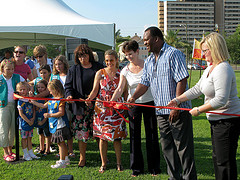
pixel 8 158
pixel 13 155
pixel 71 155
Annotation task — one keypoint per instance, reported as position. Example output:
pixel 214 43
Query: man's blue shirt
pixel 163 75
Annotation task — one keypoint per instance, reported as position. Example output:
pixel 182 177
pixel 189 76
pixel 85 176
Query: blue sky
pixel 131 16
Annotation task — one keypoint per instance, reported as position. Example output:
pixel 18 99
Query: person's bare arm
pixel 40 123
pixel 43 94
pixel 34 72
pixel 29 121
pixel 30 76
pixel 120 89
pixel 140 90
pixel 40 105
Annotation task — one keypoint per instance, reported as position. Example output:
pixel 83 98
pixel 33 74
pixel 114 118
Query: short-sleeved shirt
pixel 23 70
pixel 30 63
pixel 163 75
pixel 27 109
pixel 132 82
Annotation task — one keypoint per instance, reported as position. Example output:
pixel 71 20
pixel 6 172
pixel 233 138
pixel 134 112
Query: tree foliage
pixel 52 50
pixel 233 43
pixel 174 40
pixel 120 39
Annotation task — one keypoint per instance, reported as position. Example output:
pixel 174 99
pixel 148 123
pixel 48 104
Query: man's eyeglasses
pixel 20 52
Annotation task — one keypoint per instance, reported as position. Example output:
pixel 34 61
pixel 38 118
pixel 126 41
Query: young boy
pixel 26 118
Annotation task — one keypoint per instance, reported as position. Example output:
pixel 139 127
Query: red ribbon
pixel 115 106
pixel 118 105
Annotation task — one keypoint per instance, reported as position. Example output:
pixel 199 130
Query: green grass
pixel 40 169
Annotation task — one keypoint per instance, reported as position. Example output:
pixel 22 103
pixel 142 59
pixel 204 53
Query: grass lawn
pixel 40 169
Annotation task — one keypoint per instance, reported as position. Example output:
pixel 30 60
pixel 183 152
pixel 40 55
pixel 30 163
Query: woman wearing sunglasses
pixel 40 52
pixel 20 67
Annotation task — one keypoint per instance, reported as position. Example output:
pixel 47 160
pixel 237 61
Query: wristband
pixel 177 101
pixel 198 111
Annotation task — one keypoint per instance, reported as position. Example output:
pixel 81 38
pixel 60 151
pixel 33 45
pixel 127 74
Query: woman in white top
pixel 218 84
pixel 131 76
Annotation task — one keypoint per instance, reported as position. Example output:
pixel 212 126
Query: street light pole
pixel 186 30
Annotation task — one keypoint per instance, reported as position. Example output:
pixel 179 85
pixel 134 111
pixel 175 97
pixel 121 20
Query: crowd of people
pixel 160 80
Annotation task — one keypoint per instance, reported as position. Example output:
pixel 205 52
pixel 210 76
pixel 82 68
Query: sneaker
pixel 67 162
pixel 37 149
pixel 59 165
pixel 34 156
pixel 52 148
pixel 27 157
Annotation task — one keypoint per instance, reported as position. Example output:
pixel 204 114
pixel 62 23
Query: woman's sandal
pixel 46 153
pixel 13 155
pixel 8 158
pixel 119 167
pixel 102 169
pixel 81 166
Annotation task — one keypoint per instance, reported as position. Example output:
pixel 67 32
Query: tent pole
pixel 114 39
pixel 16 131
pixel 35 38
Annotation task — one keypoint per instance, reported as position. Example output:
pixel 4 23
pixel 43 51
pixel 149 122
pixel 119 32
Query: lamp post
pixel 186 30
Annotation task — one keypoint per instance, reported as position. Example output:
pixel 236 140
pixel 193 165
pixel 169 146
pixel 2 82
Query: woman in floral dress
pixel 108 125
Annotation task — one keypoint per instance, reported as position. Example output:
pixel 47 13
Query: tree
pixel 52 50
pixel 172 39
pixel 233 44
pixel 120 39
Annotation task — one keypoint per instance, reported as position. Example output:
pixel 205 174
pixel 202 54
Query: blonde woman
pixel 218 84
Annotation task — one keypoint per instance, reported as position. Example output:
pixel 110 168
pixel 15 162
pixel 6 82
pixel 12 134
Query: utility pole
pixel 186 30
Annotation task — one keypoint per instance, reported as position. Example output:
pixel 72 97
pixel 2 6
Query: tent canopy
pixel 28 22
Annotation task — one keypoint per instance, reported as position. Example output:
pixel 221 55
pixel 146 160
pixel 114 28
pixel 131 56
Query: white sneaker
pixel 67 162
pixel 59 165
pixel 53 149
pixel 27 157
pixel 37 149
pixel 34 156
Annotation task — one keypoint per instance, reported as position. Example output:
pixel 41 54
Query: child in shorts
pixel 58 122
pixel 26 118
pixel 42 123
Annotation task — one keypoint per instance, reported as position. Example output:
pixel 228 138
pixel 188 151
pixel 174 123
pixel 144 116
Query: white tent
pixel 26 22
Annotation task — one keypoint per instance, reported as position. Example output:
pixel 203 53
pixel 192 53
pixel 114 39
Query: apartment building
pixel 193 17
pixel 232 16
